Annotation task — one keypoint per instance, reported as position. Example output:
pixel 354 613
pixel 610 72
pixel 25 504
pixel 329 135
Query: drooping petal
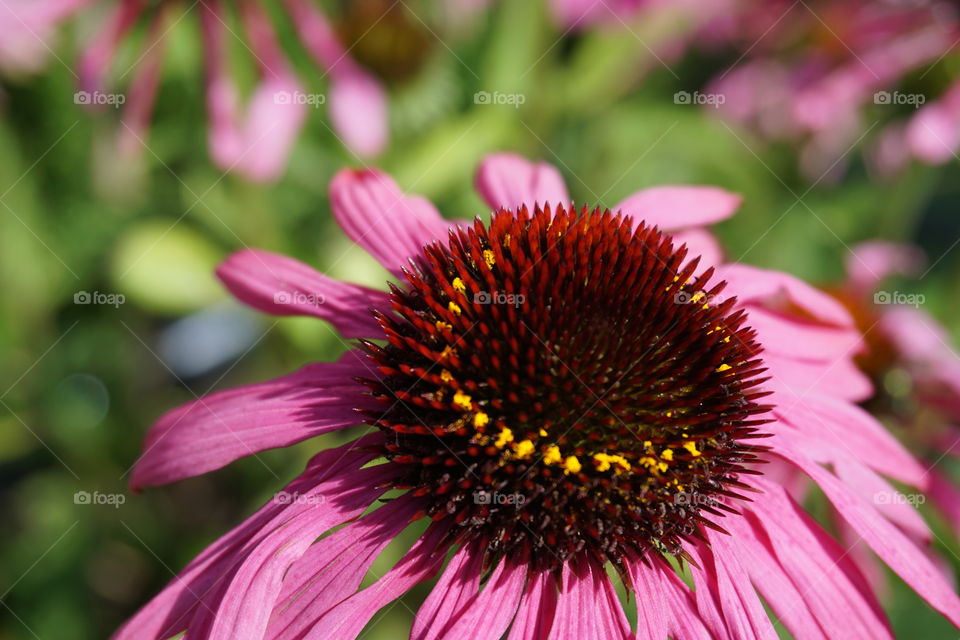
pixel 725 596
pixel 389 224
pixel 347 619
pixel 459 582
pixel 886 540
pixel 797 378
pixel 761 287
pixel 216 430
pixel 358 110
pixel 584 607
pixel 506 180
pixel 333 477
pixel 334 568
pixel 282 286
pixel 666 602
pixel 794 338
pixel 488 614
pixel 534 618
pixel 830 585
pixel 672 207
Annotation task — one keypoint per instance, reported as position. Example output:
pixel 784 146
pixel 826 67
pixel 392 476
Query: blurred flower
pixel 917 372
pixel 553 391
pixel 253 139
pixel 825 73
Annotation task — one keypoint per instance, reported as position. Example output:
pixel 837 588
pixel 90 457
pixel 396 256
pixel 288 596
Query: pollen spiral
pixel 562 381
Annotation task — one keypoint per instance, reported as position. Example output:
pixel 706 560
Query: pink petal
pixel 347 619
pixel 933 135
pixel 666 601
pixel 836 429
pixel 946 497
pixel 507 181
pixel 725 596
pixel 95 61
pixel 794 338
pixel 893 547
pixel 216 430
pixel 773 288
pixel 679 207
pixel 358 111
pixel 829 585
pixel 390 225
pixel 841 379
pixel 282 286
pixel 538 605
pixel 459 582
pixel 143 90
pixel 200 583
pixel 334 568
pixel 870 262
pixel 887 500
pixel 700 243
pixel 489 612
pixel 584 608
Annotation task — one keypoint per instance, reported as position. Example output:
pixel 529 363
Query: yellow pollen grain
pixel 691 446
pixel 506 240
pixel 647 444
pixel 727 339
pixel 667 454
pixel 605 461
pixel 523 449
pixel 723 367
pixel 489 258
pixel 462 400
pixel 446 376
pixel 480 419
pixel 458 285
pixel 441 325
pixel 698 296
pixel 543 433
pixel 571 465
pixel 454 308
pixel 506 435
pixel 552 455
pixel 663 466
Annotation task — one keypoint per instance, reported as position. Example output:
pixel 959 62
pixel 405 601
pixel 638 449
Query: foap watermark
pixel 99 99
pixel 915 100
pixel 298 297
pixel 684 499
pixel 698 297
pixel 293 497
pixel 499 297
pixel 900 298
pixel 497 498
pixel 96 498
pixel 99 297
pixel 299 97
pixel 510 99
pixel 699 98
pixel 893 497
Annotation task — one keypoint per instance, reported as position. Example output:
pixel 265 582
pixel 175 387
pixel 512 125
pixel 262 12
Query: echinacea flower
pixel 916 369
pixel 557 392
pixel 824 74
pixel 253 139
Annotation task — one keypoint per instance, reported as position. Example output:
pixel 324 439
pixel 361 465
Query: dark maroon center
pixel 561 381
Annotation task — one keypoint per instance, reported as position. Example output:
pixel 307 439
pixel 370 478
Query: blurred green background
pixel 81 383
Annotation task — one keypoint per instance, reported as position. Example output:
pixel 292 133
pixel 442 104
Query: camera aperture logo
pixel 96 498
pixel 98 297
pixel 298 297
pixel 914 300
pixel 497 498
pixel 499 297
pixel 510 99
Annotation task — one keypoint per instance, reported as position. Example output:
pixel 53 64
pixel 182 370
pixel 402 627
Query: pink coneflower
pixel 916 369
pixel 557 393
pixel 253 139
pixel 825 74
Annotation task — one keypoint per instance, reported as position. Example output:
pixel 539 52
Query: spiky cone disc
pixel 560 381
